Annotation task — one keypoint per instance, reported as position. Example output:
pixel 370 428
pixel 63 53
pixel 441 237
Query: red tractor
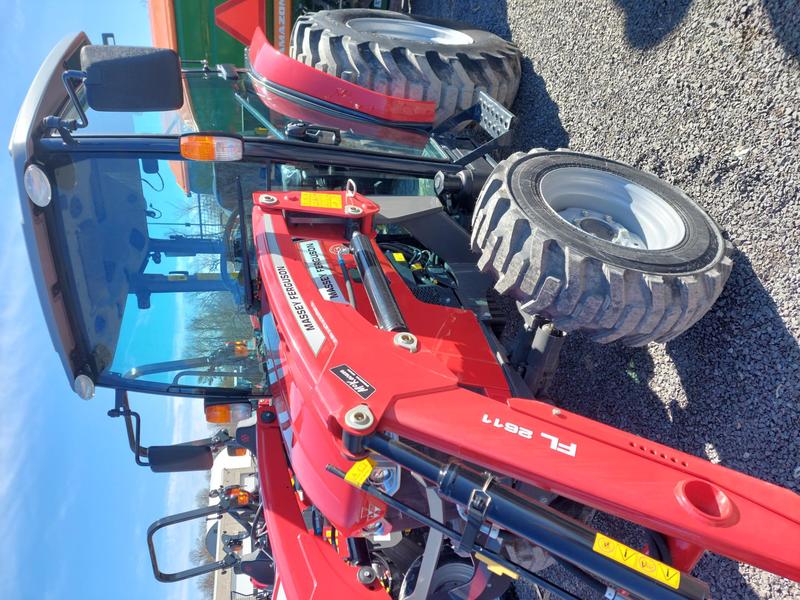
pixel 337 281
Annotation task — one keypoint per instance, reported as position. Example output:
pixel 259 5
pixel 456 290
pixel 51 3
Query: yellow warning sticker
pixel 637 561
pixel 358 473
pixel 398 256
pixel 321 199
pixel 495 567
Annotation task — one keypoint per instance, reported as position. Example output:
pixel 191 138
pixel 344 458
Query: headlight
pixel 37 185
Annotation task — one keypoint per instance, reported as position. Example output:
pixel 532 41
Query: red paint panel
pixel 610 471
pixel 308 567
pixel 279 68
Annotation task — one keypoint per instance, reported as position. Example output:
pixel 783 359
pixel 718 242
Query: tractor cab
pixel 137 204
pixel 138 221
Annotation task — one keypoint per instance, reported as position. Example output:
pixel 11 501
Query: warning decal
pixel 308 325
pixel 321 199
pixel 360 471
pixel 354 381
pixel 320 271
pixel 637 561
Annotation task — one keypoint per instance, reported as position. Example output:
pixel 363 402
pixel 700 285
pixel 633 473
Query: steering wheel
pixel 233 285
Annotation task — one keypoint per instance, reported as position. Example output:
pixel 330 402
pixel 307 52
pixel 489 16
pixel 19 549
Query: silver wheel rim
pixel 612 208
pixel 413 31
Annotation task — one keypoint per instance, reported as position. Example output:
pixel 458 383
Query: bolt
pixel 366 575
pixel 556 412
pixel 359 418
pixel 585 213
pixel 380 475
pixel 407 341
pixel 267 199
pixel 372 527
pixel 267 416
pixel 353 210
pixel 609 219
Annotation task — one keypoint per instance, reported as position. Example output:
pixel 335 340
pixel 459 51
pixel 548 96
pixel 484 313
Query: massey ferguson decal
pixel 308 325
pixel 354 381
pixel 513 428
pixel 317 265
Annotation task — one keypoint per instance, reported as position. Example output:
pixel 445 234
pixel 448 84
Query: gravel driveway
pixel 707 96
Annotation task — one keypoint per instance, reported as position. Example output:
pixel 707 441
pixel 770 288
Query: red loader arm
pixel 423 397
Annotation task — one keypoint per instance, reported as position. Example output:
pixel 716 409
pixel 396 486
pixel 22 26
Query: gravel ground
pixel 707 96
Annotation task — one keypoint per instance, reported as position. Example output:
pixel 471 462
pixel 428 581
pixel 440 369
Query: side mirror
pixel 174 459
pixel 131 79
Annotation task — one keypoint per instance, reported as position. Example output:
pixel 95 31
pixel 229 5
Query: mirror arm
pixel 133 428
pixel 65 126
pixel 134 431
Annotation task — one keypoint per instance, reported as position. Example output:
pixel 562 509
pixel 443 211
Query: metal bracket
pixel 230 559
pixel 306 132
pixel 133 425
pixel 228 71
pixel 478 505
pixel 65 127
pixel 433 544
pixel 495 119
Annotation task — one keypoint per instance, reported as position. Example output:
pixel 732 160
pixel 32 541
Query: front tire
pixel 598 246
pixel 409 56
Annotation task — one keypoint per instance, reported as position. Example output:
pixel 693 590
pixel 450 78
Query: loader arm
pixel 426 396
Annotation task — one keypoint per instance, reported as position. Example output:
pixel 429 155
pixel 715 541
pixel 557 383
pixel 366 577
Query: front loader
pixel 365 297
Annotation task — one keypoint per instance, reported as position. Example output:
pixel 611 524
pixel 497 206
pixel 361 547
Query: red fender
pixel 285 71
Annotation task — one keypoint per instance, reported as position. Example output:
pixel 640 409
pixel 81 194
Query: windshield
pixel 248 106
pixel 154 265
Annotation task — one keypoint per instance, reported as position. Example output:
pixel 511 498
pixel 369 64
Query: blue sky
pixel 76 507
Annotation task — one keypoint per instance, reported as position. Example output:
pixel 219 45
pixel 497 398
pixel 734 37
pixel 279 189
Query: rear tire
pixel 598 246
pixel 409 57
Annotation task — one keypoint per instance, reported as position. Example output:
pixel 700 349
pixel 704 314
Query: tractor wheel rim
pixel 612 208
pixel 414 31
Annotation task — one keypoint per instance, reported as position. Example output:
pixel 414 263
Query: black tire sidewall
pixel 335 21
pixel 699 249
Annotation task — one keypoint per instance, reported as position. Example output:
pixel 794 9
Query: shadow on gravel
pixel 742 340
pixel 648 22
pixel 785 18
pixel 537 115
